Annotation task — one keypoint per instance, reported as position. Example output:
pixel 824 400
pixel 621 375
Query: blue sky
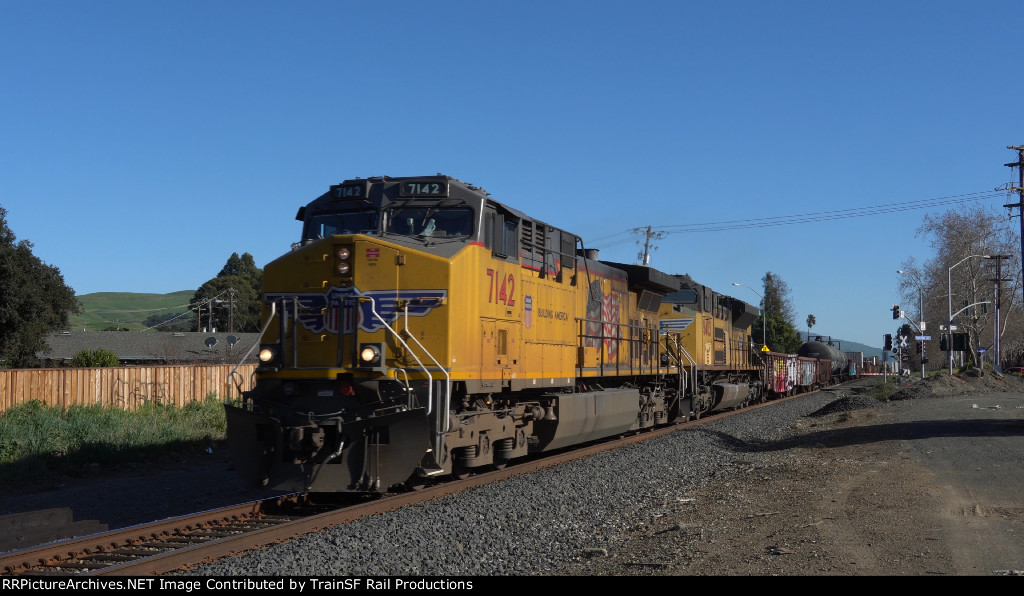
pixel 144 142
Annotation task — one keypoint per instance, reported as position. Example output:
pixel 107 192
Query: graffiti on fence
pixel 133 394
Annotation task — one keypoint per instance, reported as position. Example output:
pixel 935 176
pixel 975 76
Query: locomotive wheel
pixel 459 472
pixel 415 483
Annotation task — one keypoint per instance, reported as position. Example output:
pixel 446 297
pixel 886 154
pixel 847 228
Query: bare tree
pixel 957 276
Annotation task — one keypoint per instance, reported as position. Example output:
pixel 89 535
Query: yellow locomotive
pixel 420 328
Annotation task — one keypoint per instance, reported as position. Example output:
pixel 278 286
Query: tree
pixel 34 301
pixel 782 335
pixel 810 323
pixel 956 277
pixel 232 301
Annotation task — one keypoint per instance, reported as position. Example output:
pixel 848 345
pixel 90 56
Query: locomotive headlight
pixel 267 354
pixel 343 255
pixel 371 354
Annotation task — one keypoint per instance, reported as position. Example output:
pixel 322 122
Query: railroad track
pixel 177 543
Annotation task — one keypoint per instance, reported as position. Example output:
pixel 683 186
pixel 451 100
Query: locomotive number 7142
pixel 502 288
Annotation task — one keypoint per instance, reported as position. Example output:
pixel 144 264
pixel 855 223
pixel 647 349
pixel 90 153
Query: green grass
pixel 101 310
pixel 39 441
pixel 883 390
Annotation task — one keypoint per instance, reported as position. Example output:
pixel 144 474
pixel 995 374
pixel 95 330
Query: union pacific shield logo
pixel 348 308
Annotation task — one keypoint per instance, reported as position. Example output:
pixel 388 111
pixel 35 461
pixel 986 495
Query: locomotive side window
pixel 509 240
pixel 323 225
pixel 503 235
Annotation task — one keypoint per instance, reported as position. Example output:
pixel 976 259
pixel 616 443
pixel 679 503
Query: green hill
pixel 127 310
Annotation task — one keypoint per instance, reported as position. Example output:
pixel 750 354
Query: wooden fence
pixel 122 386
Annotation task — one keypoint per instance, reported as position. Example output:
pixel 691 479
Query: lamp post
pixel 949 324
pixel 764 318
pixel 920 297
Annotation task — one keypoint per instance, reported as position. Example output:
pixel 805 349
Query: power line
pixel 818 216
pixel 827 215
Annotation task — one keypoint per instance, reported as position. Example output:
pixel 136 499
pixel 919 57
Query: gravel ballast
pixel 537 524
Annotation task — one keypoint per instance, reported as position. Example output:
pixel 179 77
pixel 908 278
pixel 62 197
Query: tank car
pixel 825 350
pixel 420 328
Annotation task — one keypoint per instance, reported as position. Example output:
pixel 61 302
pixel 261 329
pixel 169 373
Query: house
pixel 150 347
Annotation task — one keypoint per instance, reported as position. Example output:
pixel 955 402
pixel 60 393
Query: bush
pixel 97 357
pixel 37 439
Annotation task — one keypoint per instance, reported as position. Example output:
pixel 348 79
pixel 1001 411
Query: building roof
pixel 151 346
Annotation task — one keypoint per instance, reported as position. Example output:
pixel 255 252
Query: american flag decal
pixel 610 316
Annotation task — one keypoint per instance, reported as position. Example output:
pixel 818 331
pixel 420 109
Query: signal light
pixel 895 311
pixel 888 341
pixel 918 347
pixel 943 343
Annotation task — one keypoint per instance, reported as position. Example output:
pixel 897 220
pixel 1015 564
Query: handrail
pixel 430 385
pixel 447 376
pixel 439 433
pixel 692 374
pixel 234 371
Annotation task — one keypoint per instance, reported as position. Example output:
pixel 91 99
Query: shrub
pixel 97 357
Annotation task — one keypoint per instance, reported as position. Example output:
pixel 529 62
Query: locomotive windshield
pixel 444 222
pixel 327 224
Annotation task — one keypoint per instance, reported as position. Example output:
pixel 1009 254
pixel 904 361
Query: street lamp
pixel 920 297
pixel 949 324
pixel 764 318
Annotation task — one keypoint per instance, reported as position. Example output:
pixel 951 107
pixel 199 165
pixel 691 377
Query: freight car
pixel 841 364
pixel 789 374
pixel 420 328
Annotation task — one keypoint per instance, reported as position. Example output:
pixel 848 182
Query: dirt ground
pixel 908 487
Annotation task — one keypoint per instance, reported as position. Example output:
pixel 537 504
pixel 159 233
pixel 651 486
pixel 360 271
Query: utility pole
pixel 231 310
pixel 645 256
pixel 997 364
pixel 1019 189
